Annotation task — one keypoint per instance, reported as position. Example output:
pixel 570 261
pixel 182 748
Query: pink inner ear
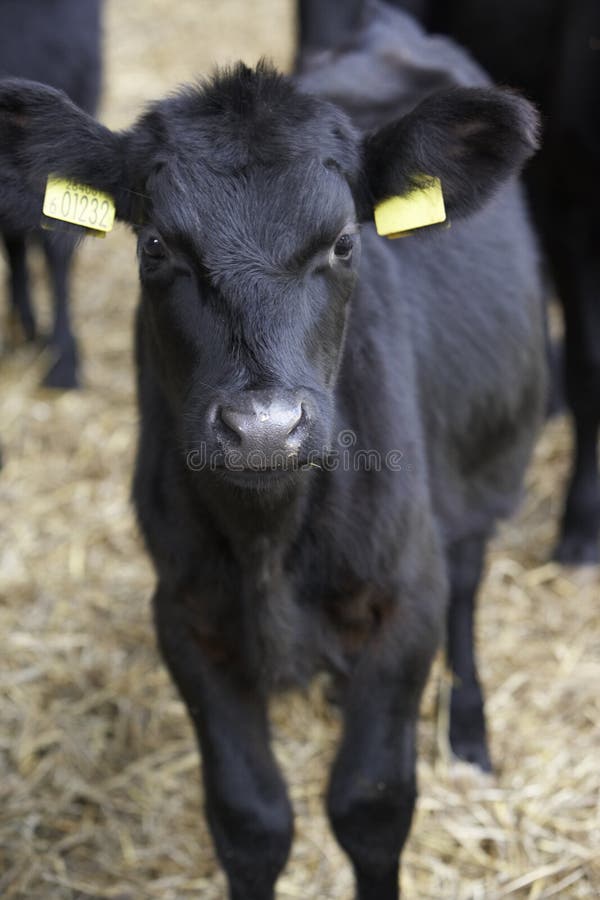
pixel 461 134
pixel 14 117
pixel 468 129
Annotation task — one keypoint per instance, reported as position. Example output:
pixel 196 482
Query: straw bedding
pixel 99 790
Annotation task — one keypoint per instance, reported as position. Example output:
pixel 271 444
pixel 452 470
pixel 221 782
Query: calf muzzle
pixel 262 430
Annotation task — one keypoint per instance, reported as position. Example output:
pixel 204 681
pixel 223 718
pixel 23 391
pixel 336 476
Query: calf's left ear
pixel 472 139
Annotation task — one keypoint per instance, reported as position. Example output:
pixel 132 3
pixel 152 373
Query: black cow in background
pixel 57 42
pixel 550 49
pixel 330 422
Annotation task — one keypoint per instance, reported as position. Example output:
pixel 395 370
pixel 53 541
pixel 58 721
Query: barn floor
pixel 99 786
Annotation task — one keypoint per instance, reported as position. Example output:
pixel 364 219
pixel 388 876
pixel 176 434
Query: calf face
pixel 247 266
pixel 246 197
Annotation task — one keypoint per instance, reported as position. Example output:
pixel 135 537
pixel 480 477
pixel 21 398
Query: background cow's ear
pixel 43 132
pixel 471 138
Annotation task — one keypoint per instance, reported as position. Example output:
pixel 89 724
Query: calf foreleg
pixel 372 791
pixel 247 807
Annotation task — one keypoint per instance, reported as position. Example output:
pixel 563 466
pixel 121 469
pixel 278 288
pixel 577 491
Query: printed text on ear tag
pixel 422 206
pixel 78 204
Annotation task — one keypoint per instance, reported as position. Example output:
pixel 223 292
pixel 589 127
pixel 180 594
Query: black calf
pixel 325 415
pixel 56 42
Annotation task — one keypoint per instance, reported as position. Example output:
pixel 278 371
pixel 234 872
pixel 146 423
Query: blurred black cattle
pixel 550 49
pixel 56 42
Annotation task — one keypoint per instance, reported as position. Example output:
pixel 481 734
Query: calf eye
pixel 343 247
pixel 154 247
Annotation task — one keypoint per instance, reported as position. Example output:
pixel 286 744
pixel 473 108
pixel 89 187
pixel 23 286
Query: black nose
pixel 263 428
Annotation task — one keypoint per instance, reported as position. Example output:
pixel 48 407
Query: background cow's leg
pixel 247 807
pixel 580 529
pixel 372 791
pixel 18 288
pixel 578 541
pixel 467 720
pixel 58 249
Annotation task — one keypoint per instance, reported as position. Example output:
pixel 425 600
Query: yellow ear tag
pixel 78 204
pixel 422 206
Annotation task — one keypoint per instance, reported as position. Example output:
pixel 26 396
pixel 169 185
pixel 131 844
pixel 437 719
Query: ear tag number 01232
pixel 423 206
pixel 79 204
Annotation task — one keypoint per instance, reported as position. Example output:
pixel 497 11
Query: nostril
pixel 228 420
pixel 266 424
pixel 298 431
pixel 300 421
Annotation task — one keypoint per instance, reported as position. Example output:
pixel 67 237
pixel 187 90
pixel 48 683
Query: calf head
pixel 246 197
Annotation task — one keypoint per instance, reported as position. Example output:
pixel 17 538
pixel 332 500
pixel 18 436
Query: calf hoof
pixel 62 375
pixel 383 886
pixel 253 893
pixel 576 549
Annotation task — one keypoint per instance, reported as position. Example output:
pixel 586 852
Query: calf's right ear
pixel 43 132
pixel 472 139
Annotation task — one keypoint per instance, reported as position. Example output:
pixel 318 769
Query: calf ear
pixel 42 132
pixel 472 139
